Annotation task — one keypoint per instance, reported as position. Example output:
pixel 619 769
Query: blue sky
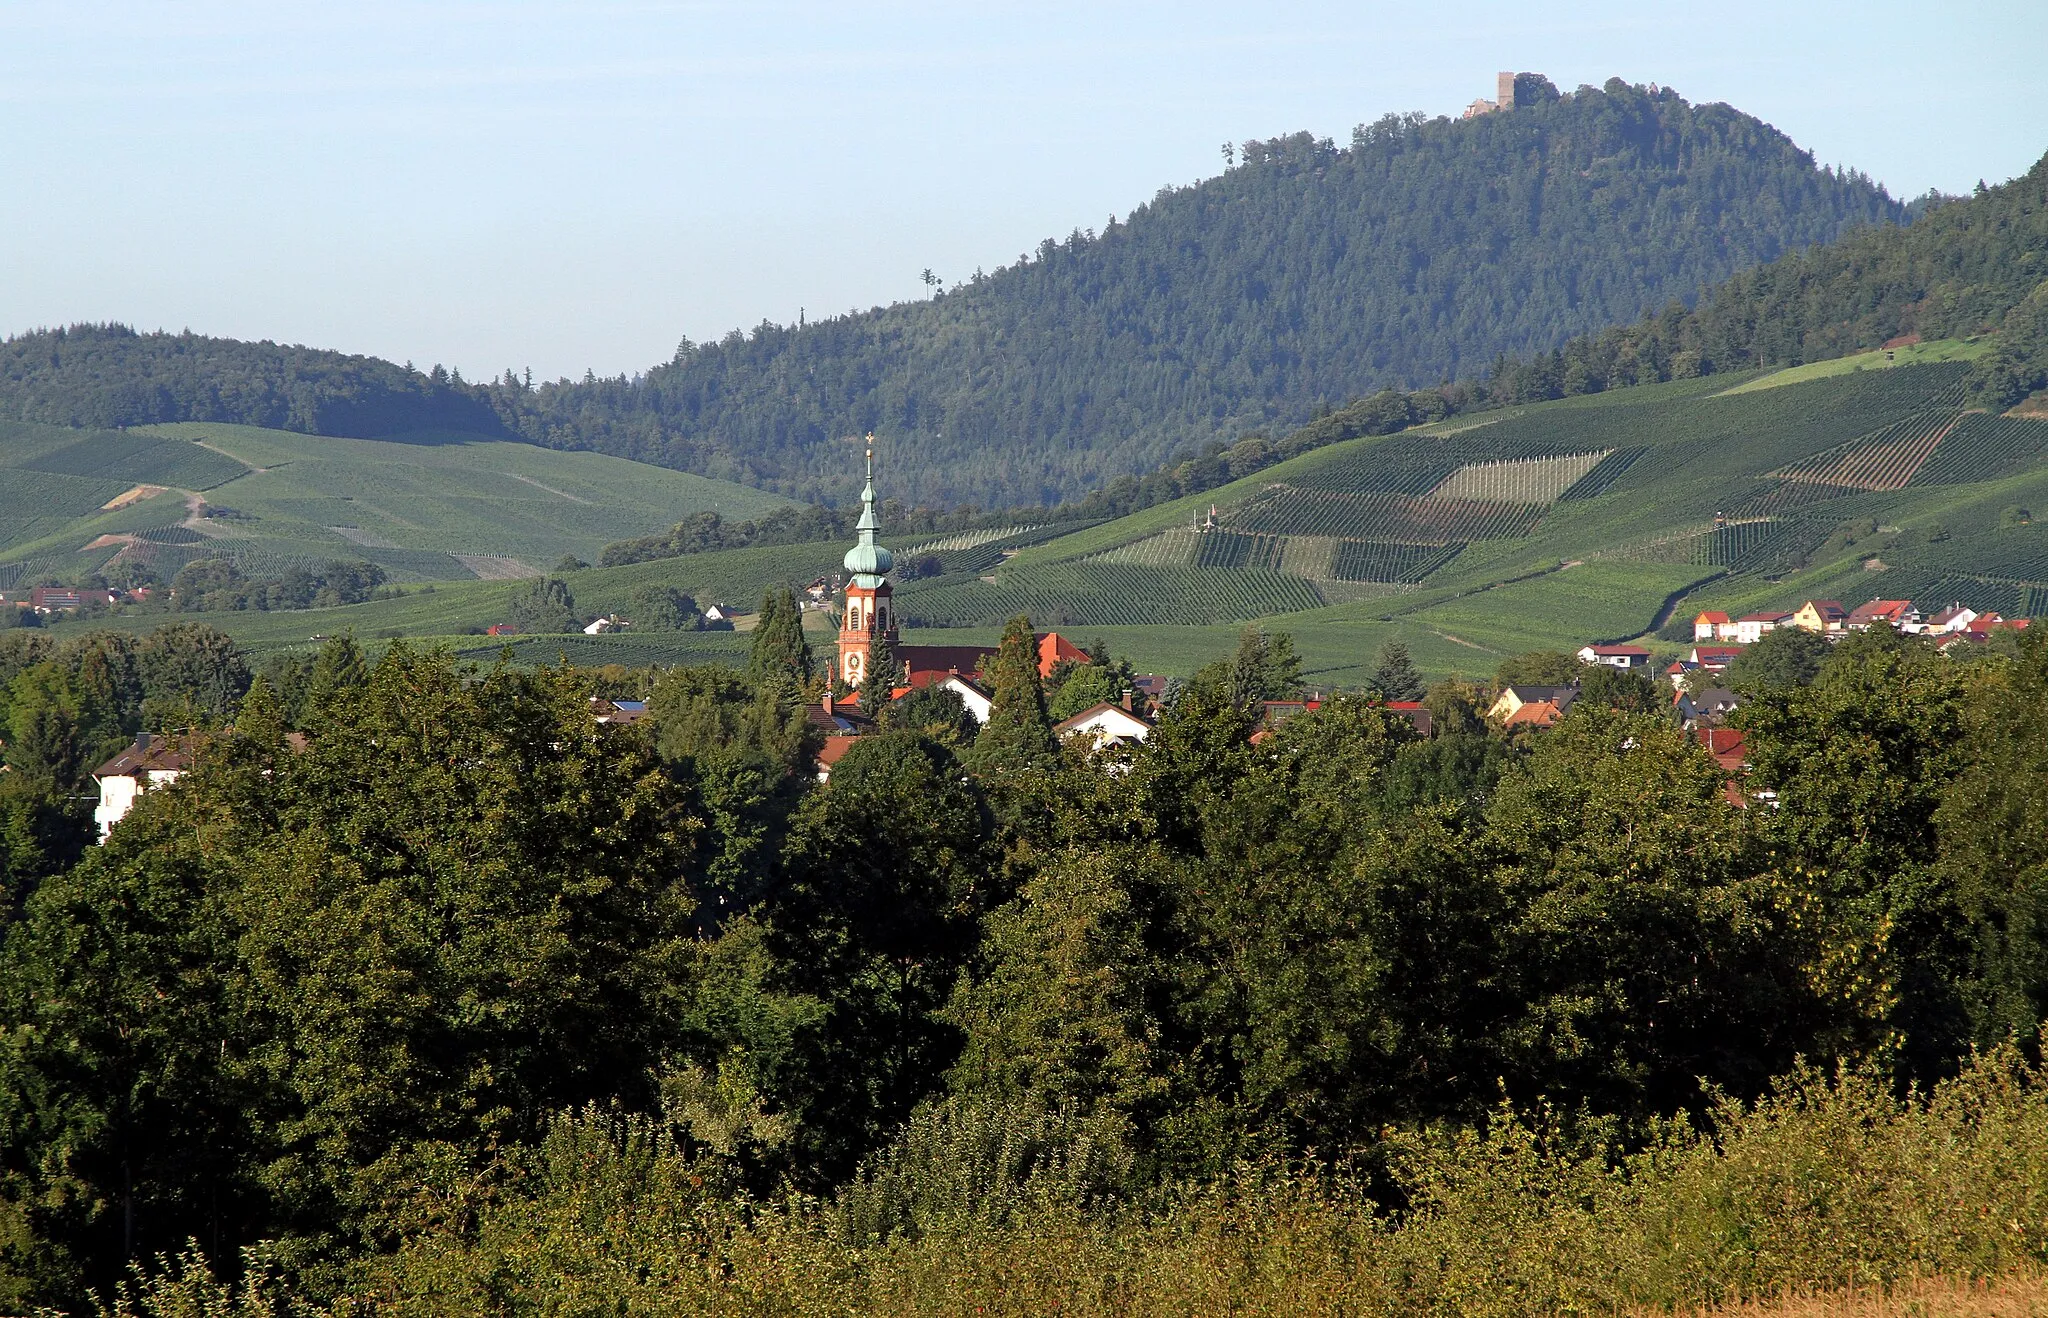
pixel 577 186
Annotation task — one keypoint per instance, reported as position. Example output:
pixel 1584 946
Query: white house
pixel 1105 725
pixel 1954 618
pixel 1750 627
pixel 1615 656
pixel 150 762
pixel 609 623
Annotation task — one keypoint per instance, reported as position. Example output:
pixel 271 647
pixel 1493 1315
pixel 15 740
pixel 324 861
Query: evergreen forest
pixel 460 1001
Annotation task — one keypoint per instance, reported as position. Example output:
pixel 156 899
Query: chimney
pixel 1127 700
pixel 1506 94
pixel 142 743
pixel 828 704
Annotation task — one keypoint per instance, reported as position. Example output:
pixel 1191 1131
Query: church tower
pixel 869 606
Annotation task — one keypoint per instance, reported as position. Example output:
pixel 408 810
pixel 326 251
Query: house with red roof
pixel 1713 625
pixel 1627 657
pixel 1725 745
pixel 1895 614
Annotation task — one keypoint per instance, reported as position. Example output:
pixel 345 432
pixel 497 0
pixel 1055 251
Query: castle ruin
pixel 1504 97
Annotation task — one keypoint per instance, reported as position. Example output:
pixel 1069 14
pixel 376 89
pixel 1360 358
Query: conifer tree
pixel 882 671
pixel 1018 733
pixel 781 654
pixel 1394 676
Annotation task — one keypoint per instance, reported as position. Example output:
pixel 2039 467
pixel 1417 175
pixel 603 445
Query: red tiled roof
pixel 834 750
pixel 1712 615
pixel 1537 714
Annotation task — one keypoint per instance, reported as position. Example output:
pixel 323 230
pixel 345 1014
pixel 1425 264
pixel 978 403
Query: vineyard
pixel 988 535
pixel 1983 448
pixel 1885 460
pixel 1417 464
pixel 1711 546
pixel 40 494
pixel 1231 549
pixel 1384 560
pixel 1384 517
pixel 1112 595
pixel 1787 496
pixel 1603 474
pixel 2017 553
pixel 1518 480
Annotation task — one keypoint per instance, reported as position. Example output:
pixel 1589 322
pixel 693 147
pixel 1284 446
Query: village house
pixel 608 623
pixel 1896 614
pixel 1750 627
pixel 1725 745
pixel 1512 699
pixel 151 762
pixel 1954 618
pixel 617 711
pixel 1713 625
pixel 1821 617
pixel 1626 657
pixel 1708 705
pixel 57 599
pixel 978 701
pixel 1105 725
pixel 1538 713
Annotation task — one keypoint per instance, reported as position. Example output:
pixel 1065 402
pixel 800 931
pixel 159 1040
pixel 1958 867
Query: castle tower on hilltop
pixel 1504 97
pixel 870 606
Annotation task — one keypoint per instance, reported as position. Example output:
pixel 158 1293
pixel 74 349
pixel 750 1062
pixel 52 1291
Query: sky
pixel 562 187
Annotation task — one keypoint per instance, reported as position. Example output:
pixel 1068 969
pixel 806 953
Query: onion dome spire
pixel 867 561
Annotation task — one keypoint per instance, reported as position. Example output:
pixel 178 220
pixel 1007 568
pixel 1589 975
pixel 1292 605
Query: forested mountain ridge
pixel 1303 276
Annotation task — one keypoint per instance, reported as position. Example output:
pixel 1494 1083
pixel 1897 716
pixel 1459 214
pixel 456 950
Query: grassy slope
pixel 408 504
pixel 1917 354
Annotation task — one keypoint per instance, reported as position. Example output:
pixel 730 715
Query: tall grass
pixel 1833 1183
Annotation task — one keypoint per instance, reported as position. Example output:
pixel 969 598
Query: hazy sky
pixel 565 186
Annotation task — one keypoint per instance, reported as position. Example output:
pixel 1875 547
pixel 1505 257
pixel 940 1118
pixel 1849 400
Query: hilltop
pixel 1306 274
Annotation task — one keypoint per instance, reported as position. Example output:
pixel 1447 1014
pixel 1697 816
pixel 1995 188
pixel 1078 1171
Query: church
pixel 870 608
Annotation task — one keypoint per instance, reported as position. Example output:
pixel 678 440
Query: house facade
pixel 1627 657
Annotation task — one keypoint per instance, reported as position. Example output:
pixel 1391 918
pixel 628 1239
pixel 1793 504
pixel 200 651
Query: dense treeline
pixel 1966 267
pixel 100 376
pixel 470 975
pixel 219 585
pixel 1306 275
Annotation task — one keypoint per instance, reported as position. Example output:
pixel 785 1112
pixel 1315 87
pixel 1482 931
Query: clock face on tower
pixel 855 663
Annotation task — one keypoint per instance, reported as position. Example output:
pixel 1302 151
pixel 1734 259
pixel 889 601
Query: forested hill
pixel 1303 276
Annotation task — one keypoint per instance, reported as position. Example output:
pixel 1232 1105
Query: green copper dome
pixel 867 561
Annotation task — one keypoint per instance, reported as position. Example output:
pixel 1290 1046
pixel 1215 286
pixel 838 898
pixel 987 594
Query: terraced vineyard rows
pixel 1982 448
pixel 1884 460
pixel 1384 517
pixel 1603 474
pixel 1518 480
pixel 40 494
pixel 1231 549
pixel 1416 464
pixel 1384 560
pixel 1112 595
pixel 1711 546
pixel 1787 496
pixel 2018 554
